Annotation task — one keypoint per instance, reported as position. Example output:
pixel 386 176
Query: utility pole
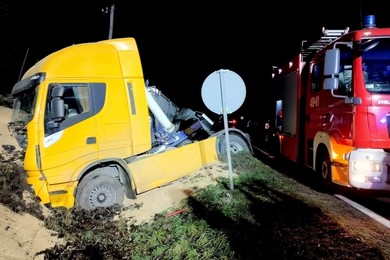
pixel 111 10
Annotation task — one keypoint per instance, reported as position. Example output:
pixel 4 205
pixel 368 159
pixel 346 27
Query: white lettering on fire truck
pixel 315 101
pixel 383 102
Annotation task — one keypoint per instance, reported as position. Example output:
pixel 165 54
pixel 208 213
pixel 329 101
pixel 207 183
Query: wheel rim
pixel 325 170
pixel 236 148
pixel 102 196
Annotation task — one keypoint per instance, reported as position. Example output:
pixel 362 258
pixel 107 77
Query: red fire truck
pixel 335 101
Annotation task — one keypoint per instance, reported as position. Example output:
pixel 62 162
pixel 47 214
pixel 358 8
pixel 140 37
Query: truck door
pixel 314 109
pixel 70 126
pixel 327 112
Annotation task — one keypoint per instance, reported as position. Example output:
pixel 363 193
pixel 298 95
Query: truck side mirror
pixel 332 61
pixel 57 103
pixel 331 83
pixel 331 69
pixel 57 109
pixel 57 106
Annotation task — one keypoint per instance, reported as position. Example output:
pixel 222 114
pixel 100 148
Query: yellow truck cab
pixel 94 131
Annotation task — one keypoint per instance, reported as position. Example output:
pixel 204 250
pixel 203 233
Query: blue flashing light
pixel 369 21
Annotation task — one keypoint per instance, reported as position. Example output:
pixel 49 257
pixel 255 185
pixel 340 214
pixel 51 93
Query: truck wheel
pixel 324 170
pixel 237 144
pixel 100 191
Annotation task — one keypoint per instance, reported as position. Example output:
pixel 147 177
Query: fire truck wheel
pixel 100 191
pixel 325 169
pixel 237 144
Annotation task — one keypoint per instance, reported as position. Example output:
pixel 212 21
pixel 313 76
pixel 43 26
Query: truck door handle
pixel 91 140
pixel 327 118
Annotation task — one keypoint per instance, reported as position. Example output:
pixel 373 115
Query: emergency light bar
pixel 369 21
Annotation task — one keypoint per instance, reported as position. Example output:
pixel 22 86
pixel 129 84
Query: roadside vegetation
pixel 267 215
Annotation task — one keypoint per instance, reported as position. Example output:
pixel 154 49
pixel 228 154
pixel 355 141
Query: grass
pixel 259 219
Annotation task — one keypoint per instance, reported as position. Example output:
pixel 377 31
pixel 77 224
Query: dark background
pixel 181 43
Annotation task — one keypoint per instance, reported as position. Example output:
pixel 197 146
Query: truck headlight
pixel 365 179
pixel 366 166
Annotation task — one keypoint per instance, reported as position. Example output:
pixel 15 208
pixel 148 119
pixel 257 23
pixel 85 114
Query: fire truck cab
pixel 335 99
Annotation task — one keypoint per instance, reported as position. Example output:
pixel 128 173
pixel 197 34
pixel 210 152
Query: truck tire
pixel 237 144
pixel 100 191
pixel 324 170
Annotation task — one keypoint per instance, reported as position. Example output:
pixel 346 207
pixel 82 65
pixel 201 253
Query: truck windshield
pixel 24 106
pixel 23 112
pixel 376 67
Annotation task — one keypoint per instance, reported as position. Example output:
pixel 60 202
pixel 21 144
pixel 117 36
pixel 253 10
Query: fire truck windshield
pixel 376 66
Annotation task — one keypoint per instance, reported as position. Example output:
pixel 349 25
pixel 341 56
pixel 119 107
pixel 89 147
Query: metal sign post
pixel 225 124
pixel 223 92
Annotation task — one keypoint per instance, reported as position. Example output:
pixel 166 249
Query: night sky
pixel 180 43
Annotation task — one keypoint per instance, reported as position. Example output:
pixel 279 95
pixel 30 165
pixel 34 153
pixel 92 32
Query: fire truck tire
pixel 237 144
pixel 324 169
pixel 100 191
